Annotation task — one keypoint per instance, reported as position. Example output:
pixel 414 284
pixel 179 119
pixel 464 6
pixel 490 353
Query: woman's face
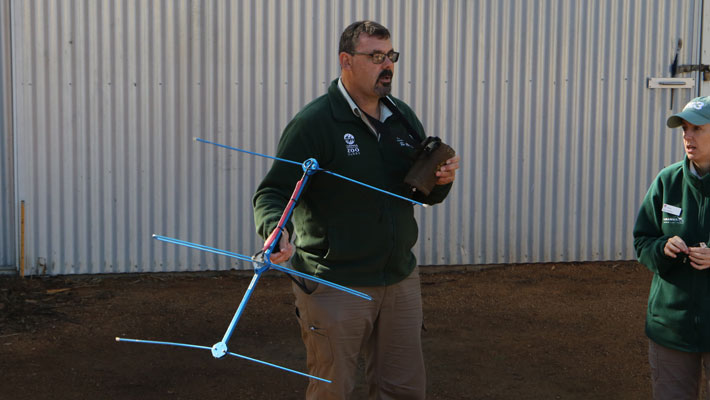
pixel 696 139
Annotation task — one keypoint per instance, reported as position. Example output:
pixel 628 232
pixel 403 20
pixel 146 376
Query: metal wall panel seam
pixel 705 45
pixel 9 131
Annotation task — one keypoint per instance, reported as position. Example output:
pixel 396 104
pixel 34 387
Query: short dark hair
pixel 351 35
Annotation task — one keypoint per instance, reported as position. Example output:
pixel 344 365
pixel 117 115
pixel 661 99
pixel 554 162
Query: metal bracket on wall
pixel 670 83
pixel 705 69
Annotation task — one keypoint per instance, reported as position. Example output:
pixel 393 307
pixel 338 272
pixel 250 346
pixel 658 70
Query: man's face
pixel 372 79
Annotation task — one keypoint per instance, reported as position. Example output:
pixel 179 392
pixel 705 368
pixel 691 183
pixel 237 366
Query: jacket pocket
pixel 359 236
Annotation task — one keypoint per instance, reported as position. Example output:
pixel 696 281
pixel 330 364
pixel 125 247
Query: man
pixel 352 235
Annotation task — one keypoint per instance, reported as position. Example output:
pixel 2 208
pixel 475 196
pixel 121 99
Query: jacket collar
pixel 701 184
pixel 344 107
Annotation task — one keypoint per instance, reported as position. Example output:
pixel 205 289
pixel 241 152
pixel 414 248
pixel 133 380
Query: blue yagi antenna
pixel 261 261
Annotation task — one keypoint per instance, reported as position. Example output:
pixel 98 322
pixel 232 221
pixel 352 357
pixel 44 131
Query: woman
pixel 670 237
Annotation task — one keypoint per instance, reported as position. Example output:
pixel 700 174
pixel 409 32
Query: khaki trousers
pixel 337 327
pixel 677 374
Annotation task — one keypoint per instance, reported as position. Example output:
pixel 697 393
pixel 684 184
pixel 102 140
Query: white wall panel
pixel 546 102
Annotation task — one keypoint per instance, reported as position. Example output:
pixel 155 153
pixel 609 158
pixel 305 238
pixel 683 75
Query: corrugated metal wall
pixel 7 200
pixel 548 102
pixel 545 101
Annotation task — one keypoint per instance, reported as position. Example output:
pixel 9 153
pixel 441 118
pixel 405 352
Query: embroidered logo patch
pixel 352 148
pixel 402 143
pixel 672 220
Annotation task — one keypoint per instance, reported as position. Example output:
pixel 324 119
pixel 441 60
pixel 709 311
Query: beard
pixel 384 88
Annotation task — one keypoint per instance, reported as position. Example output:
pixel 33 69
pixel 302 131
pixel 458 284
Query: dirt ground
pixel 538 331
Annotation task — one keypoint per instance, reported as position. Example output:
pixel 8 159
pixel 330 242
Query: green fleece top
pixel 344 232
pixel 677 203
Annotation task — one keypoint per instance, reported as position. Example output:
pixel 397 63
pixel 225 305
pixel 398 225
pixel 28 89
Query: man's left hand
pixel 447 172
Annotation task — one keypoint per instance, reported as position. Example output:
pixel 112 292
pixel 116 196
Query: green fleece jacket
pixel 677 203
pixel 344 232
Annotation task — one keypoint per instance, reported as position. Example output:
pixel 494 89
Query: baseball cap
pixel 697 112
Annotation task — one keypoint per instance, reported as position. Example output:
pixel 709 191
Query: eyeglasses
pixel 379 58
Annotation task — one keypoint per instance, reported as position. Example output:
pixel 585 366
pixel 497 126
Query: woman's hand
pixel 699 257
pixel 674 246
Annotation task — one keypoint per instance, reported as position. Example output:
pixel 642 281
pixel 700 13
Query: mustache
pixel 385 74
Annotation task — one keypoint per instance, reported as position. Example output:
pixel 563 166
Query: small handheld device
pixel 432 154
pixel 685 259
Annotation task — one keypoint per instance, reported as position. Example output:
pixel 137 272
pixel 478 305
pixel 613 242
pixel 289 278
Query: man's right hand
pixel 285 248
